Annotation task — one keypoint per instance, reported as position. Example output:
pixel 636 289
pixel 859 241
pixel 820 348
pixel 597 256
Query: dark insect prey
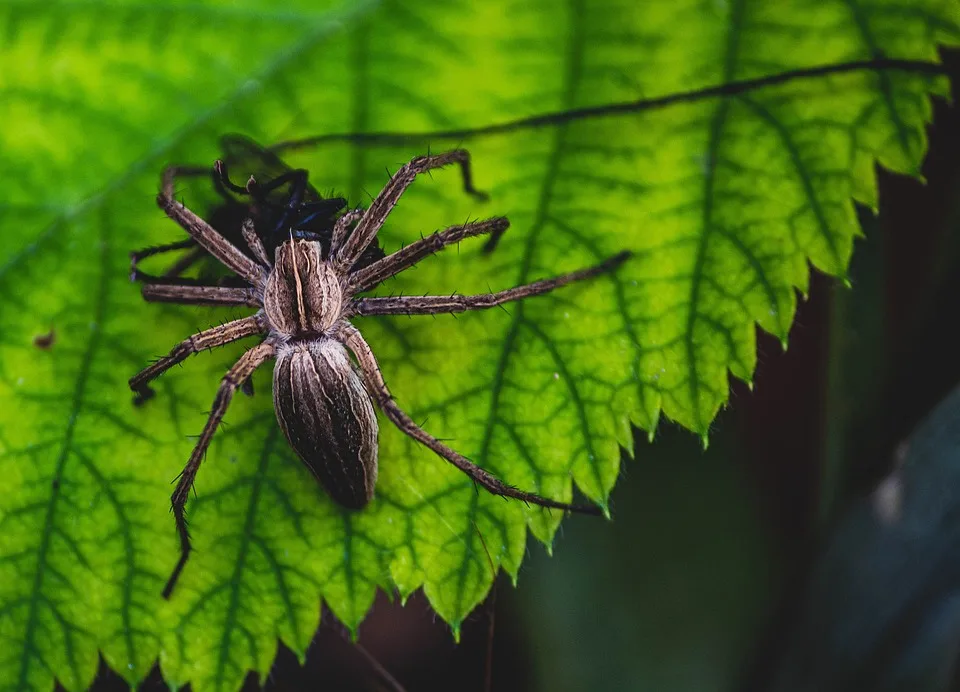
pixel 279 200
pixel 306 289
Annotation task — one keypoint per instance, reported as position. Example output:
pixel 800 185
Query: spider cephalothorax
pixel 306 293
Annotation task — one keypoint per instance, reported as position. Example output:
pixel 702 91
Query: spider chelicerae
pixel 305 295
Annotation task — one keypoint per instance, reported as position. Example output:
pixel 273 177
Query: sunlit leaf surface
pixel 724 202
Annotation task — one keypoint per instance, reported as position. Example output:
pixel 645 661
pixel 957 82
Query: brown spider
pixel 305 299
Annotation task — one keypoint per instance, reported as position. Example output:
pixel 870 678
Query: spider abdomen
pixel 328 418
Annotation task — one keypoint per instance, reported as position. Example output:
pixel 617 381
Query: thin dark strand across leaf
pixel 735 88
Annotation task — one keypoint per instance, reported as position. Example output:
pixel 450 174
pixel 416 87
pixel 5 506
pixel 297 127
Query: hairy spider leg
pixel 255 243
pixel 168 179
pixel 160 288
pixel 346 255
pixel 342 227
pixel 377 387
pixel 222 184
pixel 235 377
pixel 207 339
pixel 381 270
pixel 214 243
pixel 169 176
pixel 433 305
pixel 191 294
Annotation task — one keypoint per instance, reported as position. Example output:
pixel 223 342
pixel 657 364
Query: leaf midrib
pixel 76 405
pixel 886 88
pixel 246 540
pixel 571 83
pixel 128 555
pixel 716 129
pixel 808 191
pixel 83 375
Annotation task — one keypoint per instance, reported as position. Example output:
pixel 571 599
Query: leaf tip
pixel 705 441
pixel 602 504
pixel 455 630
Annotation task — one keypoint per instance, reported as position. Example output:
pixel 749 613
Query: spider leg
pixel 308 142
pixel 178 268
pixel 168 180
pixel 190 294
pixel 381 394
pixel 342 226
pixel 346 255
pixel 214 243
pixel 209 338
pixel 140 255
pixel 432 305
pixel 254 243
pixel 234 379
pixel 376 273
pixel 222 180
pixel 222 185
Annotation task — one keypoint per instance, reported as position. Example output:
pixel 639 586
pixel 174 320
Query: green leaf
pixel 724 201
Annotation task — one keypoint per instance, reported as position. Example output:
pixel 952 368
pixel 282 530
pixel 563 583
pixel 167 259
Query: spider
pixel 305 295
